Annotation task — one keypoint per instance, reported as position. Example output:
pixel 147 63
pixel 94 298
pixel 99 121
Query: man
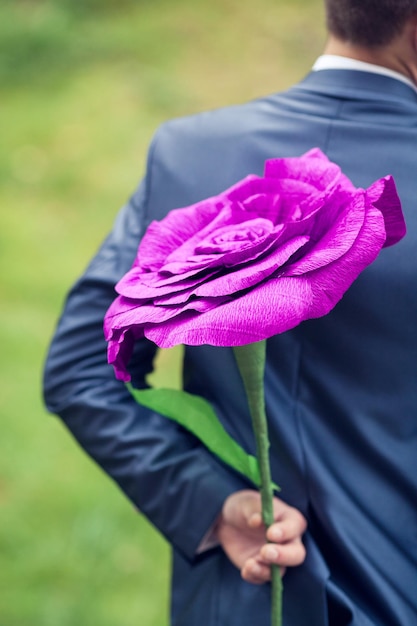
pixel 341 391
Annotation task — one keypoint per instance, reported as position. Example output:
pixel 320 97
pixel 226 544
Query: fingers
pixel 244 508
pixel 289 524
pixel 288 554
pixel 285 548
pixel 242 535
pixel 257 572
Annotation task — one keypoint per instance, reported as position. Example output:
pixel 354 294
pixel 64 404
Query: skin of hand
pixel 241 533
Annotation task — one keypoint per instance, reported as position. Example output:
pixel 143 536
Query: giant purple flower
pixel 254 261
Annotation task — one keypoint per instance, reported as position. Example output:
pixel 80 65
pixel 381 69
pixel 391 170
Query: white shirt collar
pixel 335 62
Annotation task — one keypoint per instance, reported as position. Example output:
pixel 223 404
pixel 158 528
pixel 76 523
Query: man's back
pixel 340 391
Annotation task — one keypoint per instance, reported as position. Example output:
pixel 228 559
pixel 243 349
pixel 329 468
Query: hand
pixel 241 533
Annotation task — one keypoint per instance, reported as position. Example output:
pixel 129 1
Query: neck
pixel 396 56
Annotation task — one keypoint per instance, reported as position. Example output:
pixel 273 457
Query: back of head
pixel 368 23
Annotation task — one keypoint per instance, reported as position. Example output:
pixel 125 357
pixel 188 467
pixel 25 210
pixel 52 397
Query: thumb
pixel 255 520
pixel 251 508
pixel 243 509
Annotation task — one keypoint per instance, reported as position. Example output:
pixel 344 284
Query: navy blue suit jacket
pixel 341 391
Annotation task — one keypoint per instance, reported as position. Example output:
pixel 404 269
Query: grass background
pixel 85 83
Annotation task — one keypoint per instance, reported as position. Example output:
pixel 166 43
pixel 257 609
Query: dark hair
pixel 368 23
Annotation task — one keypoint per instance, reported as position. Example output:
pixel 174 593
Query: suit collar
pixel 355 84
pixel 336 62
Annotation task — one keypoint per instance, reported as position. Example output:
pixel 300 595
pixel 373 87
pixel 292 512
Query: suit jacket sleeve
pixel 166 473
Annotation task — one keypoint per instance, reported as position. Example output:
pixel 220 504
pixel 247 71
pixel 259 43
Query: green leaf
pixel 197 415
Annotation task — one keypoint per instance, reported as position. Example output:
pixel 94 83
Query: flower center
pixel 235 236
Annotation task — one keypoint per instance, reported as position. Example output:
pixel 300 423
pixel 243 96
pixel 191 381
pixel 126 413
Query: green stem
pixel 251 363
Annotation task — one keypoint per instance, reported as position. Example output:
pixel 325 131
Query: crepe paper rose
pixel 247 264
pixel 288 244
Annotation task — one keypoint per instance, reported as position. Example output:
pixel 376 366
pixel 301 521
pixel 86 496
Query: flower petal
pixel 120 349
pixel 383 194
pixel 273 307
pixel 312 167
pixel 126 320
pixel 133 284
pixel 162 238
pixel 330 283
pixel 251 274
pixel 126 313
pixel 333 232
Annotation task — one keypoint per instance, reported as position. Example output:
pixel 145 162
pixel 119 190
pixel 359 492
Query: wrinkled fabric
pixel 288 244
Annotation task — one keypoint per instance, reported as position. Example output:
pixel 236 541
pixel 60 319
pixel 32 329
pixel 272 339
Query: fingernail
pixel 276 534
pixel 255 518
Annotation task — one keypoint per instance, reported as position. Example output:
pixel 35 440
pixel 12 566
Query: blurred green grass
pixel 84 86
